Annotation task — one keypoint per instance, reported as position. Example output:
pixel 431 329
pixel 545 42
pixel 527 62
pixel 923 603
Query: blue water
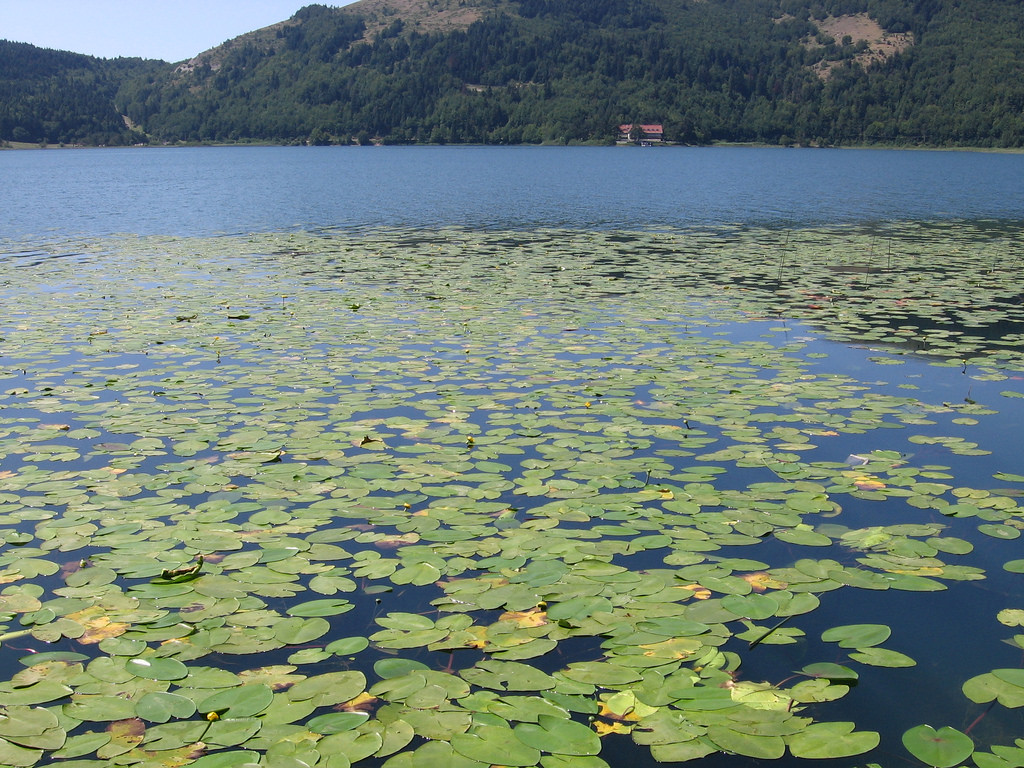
pixel 56 194
pixel 230 190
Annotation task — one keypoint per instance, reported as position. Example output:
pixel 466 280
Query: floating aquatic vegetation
pixel 466 498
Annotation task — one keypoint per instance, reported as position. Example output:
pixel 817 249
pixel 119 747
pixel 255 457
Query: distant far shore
pixel 22 145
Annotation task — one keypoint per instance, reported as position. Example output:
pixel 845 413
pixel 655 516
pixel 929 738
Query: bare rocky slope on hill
pixel 832 72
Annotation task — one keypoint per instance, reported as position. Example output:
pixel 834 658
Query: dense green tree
pixel 56 97
pixel 555 71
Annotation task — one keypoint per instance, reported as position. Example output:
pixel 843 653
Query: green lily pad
pixel 14 755
pixel 750 745
pixel 857 635
pixel 232 759
pixel 751 606
pixel 329 688
pixel 347 646
pixel 1005 685
pixel 154 668
pixel 601 673
pixel 882 657
pixel 160 706
pixel 942 748
pixel 325 607
pixel 238 702
pixel 494 745
pixel 831 740
pixel 387 668
pixel 830 671
pixel 336 722
pixel 230 732
pixel 31 727
pixel 559 735
pixel 299 631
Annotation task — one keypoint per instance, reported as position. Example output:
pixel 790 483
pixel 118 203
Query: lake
pixel 465 456
pixel 204 191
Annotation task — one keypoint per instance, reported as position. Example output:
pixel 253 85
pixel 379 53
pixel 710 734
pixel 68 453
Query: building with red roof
pixel 644 134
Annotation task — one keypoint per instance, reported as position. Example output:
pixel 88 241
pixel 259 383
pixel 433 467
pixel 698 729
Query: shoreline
pixel 29 146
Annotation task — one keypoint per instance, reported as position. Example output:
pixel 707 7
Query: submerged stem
pixel 768 632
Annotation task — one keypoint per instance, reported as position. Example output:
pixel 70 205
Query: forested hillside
pixel 828 72
pixel 60 97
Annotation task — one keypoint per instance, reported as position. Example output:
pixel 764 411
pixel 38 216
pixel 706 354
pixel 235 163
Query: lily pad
pixel 494 745
pixel 154 668
pixel 831 740
pixel 238 702
pixel 942 748
pixel 857 635
pixel 559 736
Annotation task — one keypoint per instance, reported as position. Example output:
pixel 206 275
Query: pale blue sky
pixel 172 30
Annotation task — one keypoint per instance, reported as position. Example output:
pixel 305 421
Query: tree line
pixel 564 71
pixel 57 97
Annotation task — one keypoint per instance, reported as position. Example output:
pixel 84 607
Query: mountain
pixel 827 72
pixel 61 97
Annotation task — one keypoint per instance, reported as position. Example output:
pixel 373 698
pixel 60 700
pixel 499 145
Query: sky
pixel 172 30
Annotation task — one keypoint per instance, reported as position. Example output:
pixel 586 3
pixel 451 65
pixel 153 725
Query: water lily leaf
pixel 494 745
pixel 831 740
pixel 31 727
pixel 394 736
pixel 329 689
pixel 82 744
pixel 238 702
pixel 578 608
pixel 1011 617
pixel 347 646
pixel 230 732
pixel 393 638
pixel 986 687
pixel 803 536
pixel 159 707
pixel 299 631
pixel 434 754
pixel 882 657
pixel 942 748
pixel 336 722
pixel 326 607
pixel 508 676
pixel 14 755
pixel 750 745
pixel 388 668
pixel 701 698
pixel 857 635
pixel 531 649
pixel 559 735
pixel 819 689
pixel 601 673
pixel 673 627
pixel 572 761
pixel 41 692
pixel 154 668
pixel 830 671
pixel 100 708
pixel 417 574
pixel 406 621
pixel 233 759
pixel 751 606
pixel 1005 532
pixel 682 751
pixel 171 736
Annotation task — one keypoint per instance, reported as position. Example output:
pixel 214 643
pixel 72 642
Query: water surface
pixel 202 191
